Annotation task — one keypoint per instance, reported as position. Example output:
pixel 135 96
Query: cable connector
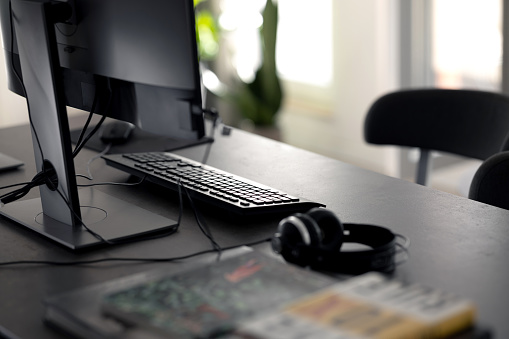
pixel 212 112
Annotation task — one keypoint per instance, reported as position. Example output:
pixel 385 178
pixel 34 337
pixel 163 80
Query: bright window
pixel 304 46
pixel 304 43
pixel 467 43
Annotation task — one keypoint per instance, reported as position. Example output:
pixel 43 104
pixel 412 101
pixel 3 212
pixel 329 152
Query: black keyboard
pixel 206 183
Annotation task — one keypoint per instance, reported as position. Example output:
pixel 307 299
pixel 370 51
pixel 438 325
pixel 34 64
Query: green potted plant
pixel 260 100
pixel 207 32
pixel 256 102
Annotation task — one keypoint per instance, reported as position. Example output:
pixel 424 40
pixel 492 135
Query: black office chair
pixel 469 123
pixel 490 183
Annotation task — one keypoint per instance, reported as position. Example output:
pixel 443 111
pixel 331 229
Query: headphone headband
pixel 377 237
pixel 380 257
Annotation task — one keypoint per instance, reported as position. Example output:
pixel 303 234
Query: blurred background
pixel 306 72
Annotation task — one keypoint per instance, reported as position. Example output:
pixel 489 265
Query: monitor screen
pixel 144 50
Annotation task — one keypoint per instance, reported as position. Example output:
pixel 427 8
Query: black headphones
pixel 314 240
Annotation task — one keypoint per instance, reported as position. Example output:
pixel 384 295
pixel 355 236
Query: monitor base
pixel 113 219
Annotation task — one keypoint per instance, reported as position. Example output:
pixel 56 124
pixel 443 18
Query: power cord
pixel 44 177
pixel 87 123
pixel 214 114
pixel 90 177
pixel 126 259
pixel 82 141
pixel 201 222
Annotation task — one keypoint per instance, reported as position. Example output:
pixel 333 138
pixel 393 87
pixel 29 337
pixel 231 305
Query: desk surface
pixel 457 244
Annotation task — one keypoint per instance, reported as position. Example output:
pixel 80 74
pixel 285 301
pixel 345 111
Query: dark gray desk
pixel 456 244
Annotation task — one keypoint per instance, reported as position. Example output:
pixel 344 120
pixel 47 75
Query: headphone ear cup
pixel 295 237
pixel 331 228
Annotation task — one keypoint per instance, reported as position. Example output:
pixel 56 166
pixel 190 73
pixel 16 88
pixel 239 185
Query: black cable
pixel 201 223
pixel 14 185
pixel 215 117
pixel 39 179
pixel 66 201
pixel 113 183
pixel 66 34
pixel 90 177
pixel 181 201
pixel 89 119
pixel 78 148
pixel 91 160
pixel 148 260
pixel 82 143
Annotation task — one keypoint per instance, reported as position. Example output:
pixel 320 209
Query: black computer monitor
pixel 137 59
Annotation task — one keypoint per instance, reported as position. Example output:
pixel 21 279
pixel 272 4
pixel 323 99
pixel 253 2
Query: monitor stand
pixel 63 213
pixel 113 219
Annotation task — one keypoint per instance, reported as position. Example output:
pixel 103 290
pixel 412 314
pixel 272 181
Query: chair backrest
pixel 469 123
pixel 490 183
